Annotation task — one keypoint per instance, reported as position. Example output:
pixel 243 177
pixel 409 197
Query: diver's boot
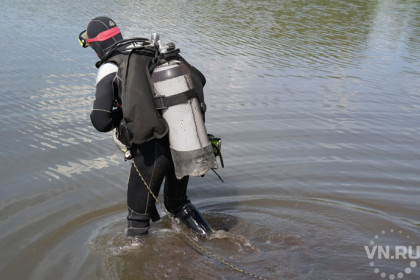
pixel 190 216
pixel 138 224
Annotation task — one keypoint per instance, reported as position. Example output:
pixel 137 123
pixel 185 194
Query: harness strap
pixel 163 102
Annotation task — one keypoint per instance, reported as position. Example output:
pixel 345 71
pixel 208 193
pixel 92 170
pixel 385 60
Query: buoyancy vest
pixel 142 120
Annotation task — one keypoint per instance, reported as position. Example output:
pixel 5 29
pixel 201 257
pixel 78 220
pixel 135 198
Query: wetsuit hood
pixel 100 25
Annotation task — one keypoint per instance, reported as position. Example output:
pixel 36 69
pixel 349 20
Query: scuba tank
pixel 162 94
pixel 176 98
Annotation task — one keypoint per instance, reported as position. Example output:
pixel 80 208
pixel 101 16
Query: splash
pixel 239 240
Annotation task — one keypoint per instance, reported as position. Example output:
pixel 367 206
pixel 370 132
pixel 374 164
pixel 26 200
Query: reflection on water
pixel 74 168
pixel 317 104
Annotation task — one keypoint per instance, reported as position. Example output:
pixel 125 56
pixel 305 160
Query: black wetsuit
pixel 153 159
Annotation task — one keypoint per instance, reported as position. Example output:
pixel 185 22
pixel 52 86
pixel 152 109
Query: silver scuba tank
pixel 191 150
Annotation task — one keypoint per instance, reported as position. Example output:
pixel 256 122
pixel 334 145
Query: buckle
pixel 160 102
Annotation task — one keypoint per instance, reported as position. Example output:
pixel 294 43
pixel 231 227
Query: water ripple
pixel 317 103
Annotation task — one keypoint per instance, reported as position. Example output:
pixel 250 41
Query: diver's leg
pixel 192 218
pixel 141 204
pixel 175 192
pixel 176 202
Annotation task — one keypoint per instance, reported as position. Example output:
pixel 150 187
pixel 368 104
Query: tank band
pixel 159 76
pixel 163 102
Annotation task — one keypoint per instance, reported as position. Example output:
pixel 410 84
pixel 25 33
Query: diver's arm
pixel 102 115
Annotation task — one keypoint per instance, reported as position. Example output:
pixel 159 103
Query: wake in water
pixel 167 253
pixel 239 240
pixel 111 240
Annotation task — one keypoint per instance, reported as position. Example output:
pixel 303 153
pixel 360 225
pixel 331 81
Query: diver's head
pixel 101 34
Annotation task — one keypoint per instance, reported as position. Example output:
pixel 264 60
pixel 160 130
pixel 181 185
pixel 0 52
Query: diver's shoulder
pixel 105 70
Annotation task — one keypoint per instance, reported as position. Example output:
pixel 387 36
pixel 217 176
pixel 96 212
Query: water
pixel 318 105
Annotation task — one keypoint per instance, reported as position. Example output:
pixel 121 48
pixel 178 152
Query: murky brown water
pixel 318 105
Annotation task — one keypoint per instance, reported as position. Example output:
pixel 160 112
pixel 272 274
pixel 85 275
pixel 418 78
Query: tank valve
pixel 155 38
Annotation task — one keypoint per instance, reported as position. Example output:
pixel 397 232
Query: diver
pixel 146 137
